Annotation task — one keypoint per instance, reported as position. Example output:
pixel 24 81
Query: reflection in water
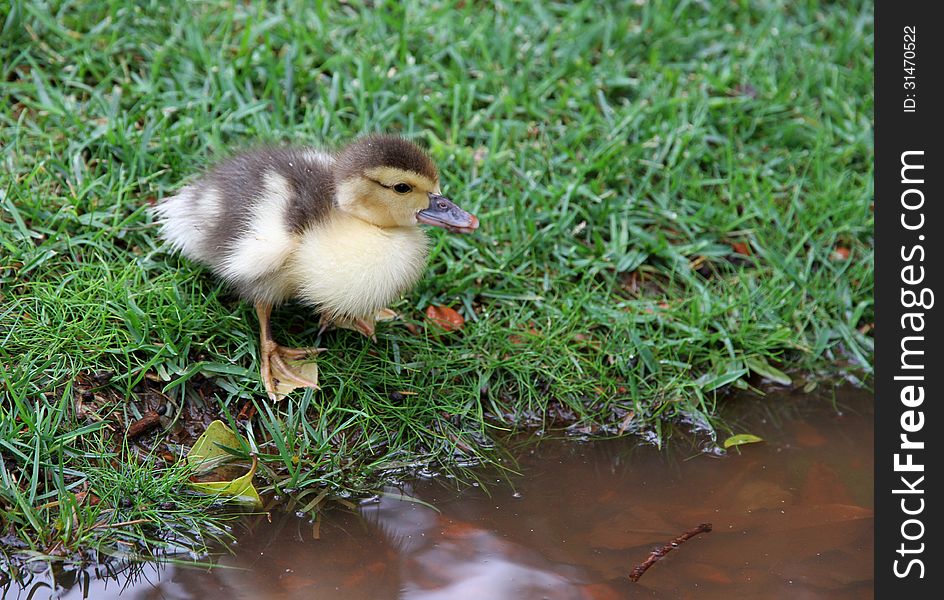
pixel 444 558
pixel 792 518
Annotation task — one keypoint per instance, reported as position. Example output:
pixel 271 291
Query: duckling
pixel 335 230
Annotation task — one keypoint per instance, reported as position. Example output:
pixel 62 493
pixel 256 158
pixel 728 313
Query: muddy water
pixel 792 518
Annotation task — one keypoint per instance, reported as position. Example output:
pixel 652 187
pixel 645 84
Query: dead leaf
pixel 797 518
pixel 305 367
pixel 628 527
pixel 808 436
pixel 446 318
pixel 706 572
pixel 741 439
pixel 741 248
pixel 209 454
pixel 823 485
pixel 600 591
pixel 839 253
pixel 745 90
pixel 626 422
pixel 757 495
pixel 519 339
pixel 630 281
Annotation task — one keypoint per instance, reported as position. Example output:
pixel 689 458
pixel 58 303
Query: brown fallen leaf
pixel 630 282
pixel 823 485
pixel 741 248
pixel 87 496
pixel 839 253
pixel 626 422
pixel 521 339
pixel 627 527
pixel 808 436
pixel 745 90
pixel 444 317
pixel 600 591
pixel 247 412
pixel 706 572
pixel 305 367
pixel 820 516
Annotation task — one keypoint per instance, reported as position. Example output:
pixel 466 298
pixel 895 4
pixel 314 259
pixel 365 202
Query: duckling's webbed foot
pixel 277 375
pixel 365 325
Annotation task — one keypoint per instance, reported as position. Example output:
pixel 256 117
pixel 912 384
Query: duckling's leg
pixel 273 357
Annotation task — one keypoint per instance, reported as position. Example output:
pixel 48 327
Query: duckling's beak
pixel 442 212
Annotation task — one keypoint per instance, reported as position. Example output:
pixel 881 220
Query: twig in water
pixel 658 553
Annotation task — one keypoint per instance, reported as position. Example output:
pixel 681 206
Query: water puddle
pixel 791 517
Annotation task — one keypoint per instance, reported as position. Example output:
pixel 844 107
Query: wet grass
pixel 674 198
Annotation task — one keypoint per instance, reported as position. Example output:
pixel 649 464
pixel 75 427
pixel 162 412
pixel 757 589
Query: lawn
pixel 675 198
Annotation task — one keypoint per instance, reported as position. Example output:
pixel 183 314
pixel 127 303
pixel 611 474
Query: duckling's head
pixel 390 182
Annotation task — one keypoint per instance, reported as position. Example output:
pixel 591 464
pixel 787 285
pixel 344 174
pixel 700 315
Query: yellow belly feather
pixel 350 268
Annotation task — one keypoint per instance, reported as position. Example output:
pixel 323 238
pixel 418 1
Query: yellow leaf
pixel 209 452
pixel 742 438
pixel 306 368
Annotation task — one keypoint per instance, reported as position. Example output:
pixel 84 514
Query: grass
pixel 675 199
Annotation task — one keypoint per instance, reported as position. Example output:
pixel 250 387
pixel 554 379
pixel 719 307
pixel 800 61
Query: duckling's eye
pixel 403 188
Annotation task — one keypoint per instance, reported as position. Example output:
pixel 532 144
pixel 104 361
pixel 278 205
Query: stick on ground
pixel 658 553
pixel 148 421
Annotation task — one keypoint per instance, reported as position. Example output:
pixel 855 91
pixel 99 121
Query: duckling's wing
pixel 244 216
